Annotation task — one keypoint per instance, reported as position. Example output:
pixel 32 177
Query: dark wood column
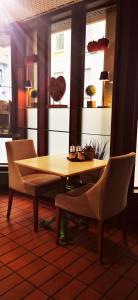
pixel 125 91
pixel 43 80
pixel 18 52
pixel 77 71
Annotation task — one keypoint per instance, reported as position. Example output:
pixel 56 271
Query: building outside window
pixel 59 41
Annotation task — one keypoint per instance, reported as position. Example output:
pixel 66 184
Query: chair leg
pixel 100 241
pixel 35 208
pixel 123 225
pixel 10 203
pixel 58 222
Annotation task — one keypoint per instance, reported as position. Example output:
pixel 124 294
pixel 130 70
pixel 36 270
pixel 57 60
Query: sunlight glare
pixel 6 11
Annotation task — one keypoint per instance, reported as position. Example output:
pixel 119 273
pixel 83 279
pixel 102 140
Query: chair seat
pixel 80 190
pixel 39 179
pixel 39 183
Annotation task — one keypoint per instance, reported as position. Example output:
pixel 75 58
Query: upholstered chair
pixel 26 180
pixel 101 201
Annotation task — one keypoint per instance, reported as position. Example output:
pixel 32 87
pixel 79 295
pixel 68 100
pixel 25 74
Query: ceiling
pixel 19 10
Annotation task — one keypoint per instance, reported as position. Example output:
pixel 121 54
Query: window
pixel 58 136
pixel 96 123
pixel 5 73
pixel 94 61
pixel 60 60
pixel 5 92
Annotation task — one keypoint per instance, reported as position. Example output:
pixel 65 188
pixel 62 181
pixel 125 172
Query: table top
pixel 59 165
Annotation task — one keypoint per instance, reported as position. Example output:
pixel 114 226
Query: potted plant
pixel 33 95
pixel 90 91
pixel 99 148
pixel 88 152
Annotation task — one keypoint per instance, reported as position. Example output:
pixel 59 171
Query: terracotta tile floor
pixel 33 267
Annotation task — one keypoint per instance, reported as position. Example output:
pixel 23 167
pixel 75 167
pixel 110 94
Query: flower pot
pixel 89 155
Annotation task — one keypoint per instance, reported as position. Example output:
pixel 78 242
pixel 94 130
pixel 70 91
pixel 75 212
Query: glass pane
pixel 99 57
pixel 31 92
pixel 32 134
pixel 94 62
pixel 58 142
pixel 58 137
pixel 5 82
pixel 96 127
pixel 60 56
pixel 31 68
pixel 3 155
pixel 5 67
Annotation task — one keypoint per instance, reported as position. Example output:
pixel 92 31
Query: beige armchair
pixel 24 179
pixel 103 200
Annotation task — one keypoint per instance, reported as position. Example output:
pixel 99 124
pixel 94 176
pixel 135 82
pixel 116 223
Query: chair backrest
pixel 18 149
pixel 112 188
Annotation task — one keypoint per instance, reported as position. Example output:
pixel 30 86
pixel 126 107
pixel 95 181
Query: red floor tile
pixel 22 261
pixel 26 238
pixel 14 254
pixel 43 249
pixel 55 254
pixel 43 275
pixel 9 282
pixel 70 291
pixel 56 283
pixel 133 295
pixel 122 265
pixel 4 240
pixel 35 243
pixel 91 273
pixel 121 289
pixel 4 272
pixel 8 247
pixel 133 273
pixel 66 260
pixel 19 292
pixel 36 295
pixel 89 294
pixel 77 267
pixel 105 281
pixel 32 268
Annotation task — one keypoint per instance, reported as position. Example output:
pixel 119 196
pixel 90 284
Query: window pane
pixel 3 155
pixel 94 62
pixel 60 55
pixel 58 137
pixel 31 93
pixel 99 56
pixel 5 68
pixel 96 127
pixel 59 41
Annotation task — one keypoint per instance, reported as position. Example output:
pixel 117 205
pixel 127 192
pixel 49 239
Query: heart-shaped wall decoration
pixel 57 87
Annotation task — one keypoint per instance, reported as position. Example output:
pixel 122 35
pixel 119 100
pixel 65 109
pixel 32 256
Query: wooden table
pixel 59 165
